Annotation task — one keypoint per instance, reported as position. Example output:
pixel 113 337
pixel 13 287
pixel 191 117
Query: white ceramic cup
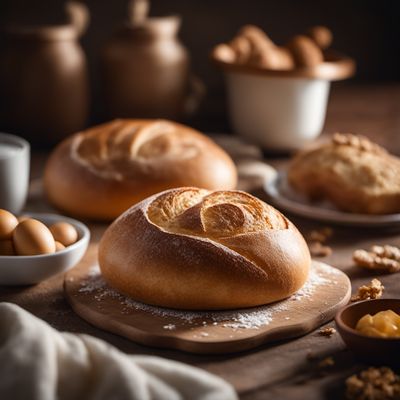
pixel 14 172
pixel 278 113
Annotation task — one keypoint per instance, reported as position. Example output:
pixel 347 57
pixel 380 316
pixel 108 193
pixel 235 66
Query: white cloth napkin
pixel 38 362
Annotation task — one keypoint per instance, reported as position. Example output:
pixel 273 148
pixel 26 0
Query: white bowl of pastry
pixel 190 248
pixel 277 96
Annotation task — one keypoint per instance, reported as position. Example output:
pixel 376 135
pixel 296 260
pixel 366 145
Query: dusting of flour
pixel 251 318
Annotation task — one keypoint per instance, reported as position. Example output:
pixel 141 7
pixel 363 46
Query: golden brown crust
pixel 355 174
pixel 176 250
pixel 101 172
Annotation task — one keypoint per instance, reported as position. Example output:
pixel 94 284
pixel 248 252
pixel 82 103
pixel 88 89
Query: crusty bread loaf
pixel 189 248
pixel 355 174
pixel 101 172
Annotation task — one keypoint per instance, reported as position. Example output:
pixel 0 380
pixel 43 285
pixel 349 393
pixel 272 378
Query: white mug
pixel 277 113
pixel 14 172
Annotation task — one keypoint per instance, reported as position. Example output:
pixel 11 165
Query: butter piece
pixel 384 324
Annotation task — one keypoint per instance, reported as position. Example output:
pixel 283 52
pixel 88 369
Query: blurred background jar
pixel 43 78
pixel 146 69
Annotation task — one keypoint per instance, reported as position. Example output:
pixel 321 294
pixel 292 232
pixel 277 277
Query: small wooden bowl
pixel 382 351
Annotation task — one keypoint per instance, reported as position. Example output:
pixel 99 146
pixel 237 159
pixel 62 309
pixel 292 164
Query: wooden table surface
pixel 289 369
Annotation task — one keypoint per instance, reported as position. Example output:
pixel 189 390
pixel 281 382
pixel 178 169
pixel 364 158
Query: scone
pixel 191 248
pixel 352 172
pixel 102 171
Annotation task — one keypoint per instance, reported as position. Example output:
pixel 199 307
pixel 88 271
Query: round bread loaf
pixel 190 248
pixel 101 172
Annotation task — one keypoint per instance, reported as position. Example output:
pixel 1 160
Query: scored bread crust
pixel 188 248
pixel 352 172
pixel 101 172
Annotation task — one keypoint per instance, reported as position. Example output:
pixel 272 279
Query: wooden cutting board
pixel 327 290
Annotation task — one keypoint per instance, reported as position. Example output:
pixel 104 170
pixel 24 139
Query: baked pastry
pixel 352 172
pixel 252 47
pixel 190 248
pixel 101 172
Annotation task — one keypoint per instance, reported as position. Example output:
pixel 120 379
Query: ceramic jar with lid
pixel 43 79
pixel 145 69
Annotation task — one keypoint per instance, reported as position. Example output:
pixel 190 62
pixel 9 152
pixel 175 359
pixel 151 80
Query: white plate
pixel 285 198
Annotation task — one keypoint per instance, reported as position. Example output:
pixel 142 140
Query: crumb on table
pixel 326 362
pixel 369 292
pixel 328 331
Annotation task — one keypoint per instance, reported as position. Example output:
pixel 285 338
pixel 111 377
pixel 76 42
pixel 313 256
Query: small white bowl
pixel 28 270
pixel 281 110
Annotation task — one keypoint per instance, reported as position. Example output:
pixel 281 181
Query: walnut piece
pixel 380 258
pixel 317 249
pixel 320 235
pixel 369 292
pixel 328 331
pixel 373 384
pixel 326 362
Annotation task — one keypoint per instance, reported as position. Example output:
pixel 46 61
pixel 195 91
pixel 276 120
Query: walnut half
pixel 368 292
pixel 379 258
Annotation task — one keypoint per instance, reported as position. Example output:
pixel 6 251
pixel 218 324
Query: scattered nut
pixel 317 249
pixel 320 235
pixel 326 362
pixel 373 384
pixel 380 258
pixel 328 331
pixel 369 292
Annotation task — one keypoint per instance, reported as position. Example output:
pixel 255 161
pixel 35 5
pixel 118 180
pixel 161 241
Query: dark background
pixel 369 31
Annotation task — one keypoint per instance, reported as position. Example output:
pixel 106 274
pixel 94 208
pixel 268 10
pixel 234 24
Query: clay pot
pixel 145 70
pixel 43 79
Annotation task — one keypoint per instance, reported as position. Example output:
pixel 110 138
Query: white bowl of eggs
pixel 37 246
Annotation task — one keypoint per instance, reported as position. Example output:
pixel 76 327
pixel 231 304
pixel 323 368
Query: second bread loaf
pixel 101 172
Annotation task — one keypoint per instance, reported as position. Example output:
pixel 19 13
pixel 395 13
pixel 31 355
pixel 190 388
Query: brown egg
pixel 64 233
pixel 8 222
pixel 59 246
pixel 31 237
pixel 7 248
